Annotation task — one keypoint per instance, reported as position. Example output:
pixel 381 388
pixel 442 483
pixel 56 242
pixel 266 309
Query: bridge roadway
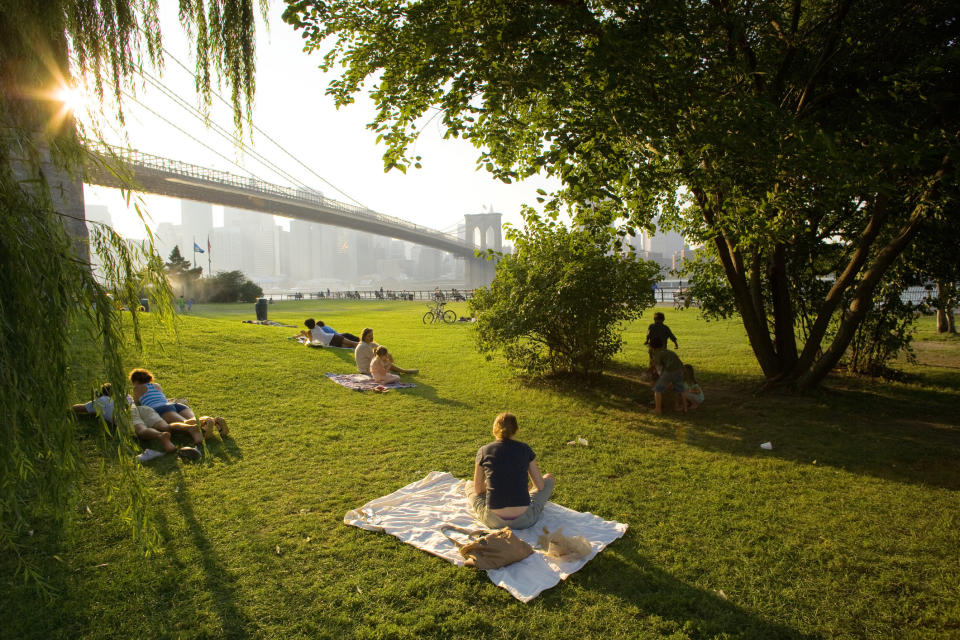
pixel 162 176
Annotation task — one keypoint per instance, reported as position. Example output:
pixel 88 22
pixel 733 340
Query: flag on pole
pixel 197 248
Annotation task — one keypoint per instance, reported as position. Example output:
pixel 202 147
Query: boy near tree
pixel 669 371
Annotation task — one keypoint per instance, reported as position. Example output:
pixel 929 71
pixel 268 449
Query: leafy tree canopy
pixel 804 141
pixel 558 302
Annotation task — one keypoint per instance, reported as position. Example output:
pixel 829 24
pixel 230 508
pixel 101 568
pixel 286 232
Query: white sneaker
pixel 149 454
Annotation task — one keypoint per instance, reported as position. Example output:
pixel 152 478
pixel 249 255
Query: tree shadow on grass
pixel 427 392
pixel 217 580
pixel 889 431
pixel 673 605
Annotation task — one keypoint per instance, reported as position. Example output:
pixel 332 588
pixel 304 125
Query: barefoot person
pixel 147 424
pixel 380 367
pixel 669 370
pixel 366 350
pixel 499 493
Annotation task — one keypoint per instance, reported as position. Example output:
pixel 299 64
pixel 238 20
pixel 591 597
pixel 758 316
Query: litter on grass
pixel 767 445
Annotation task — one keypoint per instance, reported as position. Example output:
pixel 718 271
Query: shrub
pixel 558 302
pixel 229 286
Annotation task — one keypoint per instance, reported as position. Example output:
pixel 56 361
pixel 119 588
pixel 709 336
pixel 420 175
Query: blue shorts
pixel 667 378
pixel 167 408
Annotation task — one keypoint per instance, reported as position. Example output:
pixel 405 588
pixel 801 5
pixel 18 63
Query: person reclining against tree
pixel 318 332
pixel 499 492
pixel 366 351
pixel 669 370
pixel 147 423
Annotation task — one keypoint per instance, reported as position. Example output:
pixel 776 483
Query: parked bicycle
pixel 438 314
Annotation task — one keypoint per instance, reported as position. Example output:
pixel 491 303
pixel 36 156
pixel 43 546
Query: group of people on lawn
pixel 669 371
pixel 372 359
pixel 503 469
pixel 155 417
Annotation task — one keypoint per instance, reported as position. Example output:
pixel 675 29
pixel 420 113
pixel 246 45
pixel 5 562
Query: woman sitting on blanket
pixel 366 350
pixel 499 495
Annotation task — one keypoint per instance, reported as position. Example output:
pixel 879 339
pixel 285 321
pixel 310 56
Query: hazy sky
pixel 291 108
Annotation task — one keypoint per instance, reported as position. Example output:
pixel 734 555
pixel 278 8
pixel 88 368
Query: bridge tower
pixel 483 230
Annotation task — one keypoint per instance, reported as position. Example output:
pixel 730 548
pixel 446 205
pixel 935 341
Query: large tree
pixel 50 297
pixel 805 140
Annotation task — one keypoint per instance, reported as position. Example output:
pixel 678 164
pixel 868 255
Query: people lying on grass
pixel 319 333
pixel 669 370
pixel 149 394
pixel 380 367
pixel 500 494
pixel 692 391
pixel 147 423
pixel 366 350
pixel 660 330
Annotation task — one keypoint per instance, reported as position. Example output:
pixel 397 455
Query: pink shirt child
pixel 380 369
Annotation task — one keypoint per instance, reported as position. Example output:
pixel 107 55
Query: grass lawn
pixel 849 527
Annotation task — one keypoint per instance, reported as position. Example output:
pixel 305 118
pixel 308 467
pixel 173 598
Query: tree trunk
pixel 785 339
pixel 945 300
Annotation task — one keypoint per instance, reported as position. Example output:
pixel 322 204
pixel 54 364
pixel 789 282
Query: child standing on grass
pixel 380 367
pixel 692 392
pixel 668 368
pixel 660 330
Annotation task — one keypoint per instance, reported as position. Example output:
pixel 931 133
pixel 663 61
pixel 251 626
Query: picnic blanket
pixel 316 343
pixel 268 323
pixel 416 513
pixel 363 382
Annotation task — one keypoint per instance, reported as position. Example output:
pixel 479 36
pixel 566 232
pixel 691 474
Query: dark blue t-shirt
pixel 505 464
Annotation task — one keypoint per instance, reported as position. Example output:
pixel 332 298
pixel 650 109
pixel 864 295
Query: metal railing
pixel 260 187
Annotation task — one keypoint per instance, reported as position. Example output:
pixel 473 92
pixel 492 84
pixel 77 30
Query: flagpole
pixel 209 259
pixel 194 252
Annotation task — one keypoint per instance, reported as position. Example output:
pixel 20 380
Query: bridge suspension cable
pixel 268 137
pixel 227 135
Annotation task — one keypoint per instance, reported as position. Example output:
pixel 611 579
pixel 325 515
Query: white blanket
pixel 416 513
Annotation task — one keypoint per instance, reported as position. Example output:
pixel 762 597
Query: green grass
pixel 849 527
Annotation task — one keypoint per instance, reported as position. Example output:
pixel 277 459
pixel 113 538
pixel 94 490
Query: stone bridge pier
pixel 484 231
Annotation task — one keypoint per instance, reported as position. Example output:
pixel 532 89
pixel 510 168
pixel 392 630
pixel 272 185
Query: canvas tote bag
pixel 491 551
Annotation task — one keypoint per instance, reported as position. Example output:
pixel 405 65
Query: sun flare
pixel 73 98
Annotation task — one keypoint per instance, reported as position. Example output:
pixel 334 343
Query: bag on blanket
pixel 492 551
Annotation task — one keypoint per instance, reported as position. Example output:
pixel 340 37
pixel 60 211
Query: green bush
pixel 557 304
pixel 229 286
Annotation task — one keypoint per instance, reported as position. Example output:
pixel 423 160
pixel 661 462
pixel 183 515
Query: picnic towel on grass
pixel 363 382
pixel 416 513
pixel 316 343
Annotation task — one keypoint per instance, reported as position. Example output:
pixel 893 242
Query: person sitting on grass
pixel 669 368
pixel 366 350
pixel 380 367
pixel 692 392
pixel 317 332
pixel 147 424
pixel 499 494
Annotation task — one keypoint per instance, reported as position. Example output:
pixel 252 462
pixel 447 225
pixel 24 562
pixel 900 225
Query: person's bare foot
pixel 207 425
pixel 196 434
pixel 168 446
pixel 222 426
